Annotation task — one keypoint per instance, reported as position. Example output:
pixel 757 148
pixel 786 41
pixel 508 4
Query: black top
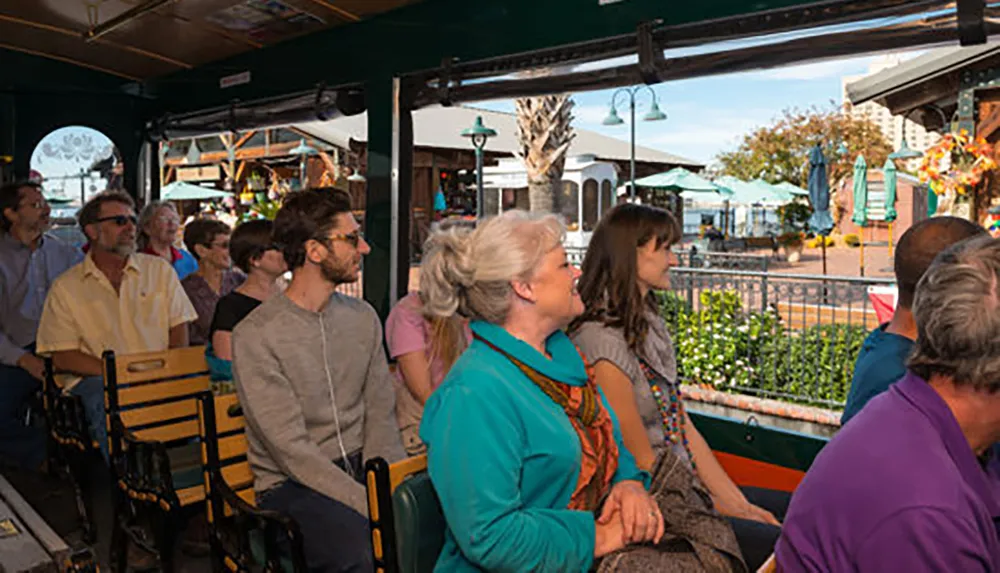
pixel 231 309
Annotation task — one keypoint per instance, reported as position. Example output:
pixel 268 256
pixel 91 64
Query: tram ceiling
pixel 140 39
pixel 487 37
pixel 937 27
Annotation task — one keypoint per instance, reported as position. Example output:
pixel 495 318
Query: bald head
pixel 921 243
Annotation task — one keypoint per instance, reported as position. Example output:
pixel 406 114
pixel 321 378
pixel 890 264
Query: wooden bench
pixel 800 316
pixel 405 517
pixel 243 538
pixel 151 403
pixel 71 448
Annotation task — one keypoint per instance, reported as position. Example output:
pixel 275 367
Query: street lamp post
pixel 479 133
pixel 303 151
pixel 654 114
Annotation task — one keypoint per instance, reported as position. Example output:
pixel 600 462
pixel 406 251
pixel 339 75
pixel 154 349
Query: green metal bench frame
pixel 405 518
pixel 243 537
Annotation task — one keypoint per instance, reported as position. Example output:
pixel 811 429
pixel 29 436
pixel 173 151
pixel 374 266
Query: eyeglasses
pixel 351 239
pixel 120 220
pixel 222 245
pixel 40 204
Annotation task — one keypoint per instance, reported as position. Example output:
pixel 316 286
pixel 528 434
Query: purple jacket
pixel 898 489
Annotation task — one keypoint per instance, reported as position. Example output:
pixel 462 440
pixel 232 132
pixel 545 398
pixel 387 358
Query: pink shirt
pixel 406 331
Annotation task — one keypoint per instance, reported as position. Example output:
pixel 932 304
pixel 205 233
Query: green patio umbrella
pixel 889 172
pixel 181 191
pixel 57 199
pixel 932 202
pixel 792 188
pixel 889 169
pixel 679 180
pixel 860 216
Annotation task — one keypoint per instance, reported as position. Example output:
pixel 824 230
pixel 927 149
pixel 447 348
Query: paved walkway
pixel 841 261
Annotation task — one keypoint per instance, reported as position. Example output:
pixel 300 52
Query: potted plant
pixel 792 243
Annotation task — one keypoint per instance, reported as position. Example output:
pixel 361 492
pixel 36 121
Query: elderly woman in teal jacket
pixel 524 453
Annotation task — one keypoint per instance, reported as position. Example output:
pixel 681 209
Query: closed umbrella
pixel 820 222
pixel 860 216
pixel 889 171
pixel 932 202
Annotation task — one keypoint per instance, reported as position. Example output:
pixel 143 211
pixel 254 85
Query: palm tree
pixel 544 133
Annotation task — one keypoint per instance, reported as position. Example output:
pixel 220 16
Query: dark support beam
pixel 389 174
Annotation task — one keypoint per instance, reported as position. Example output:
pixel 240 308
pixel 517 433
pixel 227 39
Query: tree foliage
pixel 780 152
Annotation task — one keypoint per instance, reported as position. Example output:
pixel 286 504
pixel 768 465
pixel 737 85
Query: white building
pixel 892 126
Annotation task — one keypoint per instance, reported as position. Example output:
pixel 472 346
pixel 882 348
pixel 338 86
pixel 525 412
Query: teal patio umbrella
pixel 181 191
pixel 860 216
pixel 792 189
pixel 679 180
pixel 889 172
pixel 820 222
pixel 932 202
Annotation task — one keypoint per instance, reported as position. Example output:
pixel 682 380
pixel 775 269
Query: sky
pixel 706 116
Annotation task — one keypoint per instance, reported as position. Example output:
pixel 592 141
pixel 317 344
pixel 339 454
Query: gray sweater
pixel 292 423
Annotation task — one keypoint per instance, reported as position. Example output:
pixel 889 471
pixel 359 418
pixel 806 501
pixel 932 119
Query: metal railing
pixel 784 336
pixel 696 258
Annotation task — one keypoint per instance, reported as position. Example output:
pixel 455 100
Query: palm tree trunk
pixel 544 135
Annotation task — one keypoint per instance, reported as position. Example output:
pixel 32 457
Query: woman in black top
pixel 252 251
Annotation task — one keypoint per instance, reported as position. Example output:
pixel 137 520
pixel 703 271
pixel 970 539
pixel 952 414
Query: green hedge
pixel 722 346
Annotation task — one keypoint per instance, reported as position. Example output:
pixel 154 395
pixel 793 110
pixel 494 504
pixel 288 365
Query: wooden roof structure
pixel 142 39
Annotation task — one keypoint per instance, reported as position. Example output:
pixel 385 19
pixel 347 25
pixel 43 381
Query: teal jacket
pixel 504 459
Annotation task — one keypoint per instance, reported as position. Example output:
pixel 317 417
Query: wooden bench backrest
pixel 224 445
pixel 154 394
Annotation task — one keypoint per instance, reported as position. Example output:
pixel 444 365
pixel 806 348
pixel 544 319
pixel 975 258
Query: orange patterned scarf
pixel 593 426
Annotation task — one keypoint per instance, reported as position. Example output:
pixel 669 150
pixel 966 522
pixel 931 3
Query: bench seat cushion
pixel 420 525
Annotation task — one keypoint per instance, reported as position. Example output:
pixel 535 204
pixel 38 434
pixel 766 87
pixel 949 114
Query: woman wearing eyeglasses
pixel 253 252
pixel 158 225
pixel 208 241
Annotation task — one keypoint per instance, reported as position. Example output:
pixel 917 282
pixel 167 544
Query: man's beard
pixel 338 274
pixel 123 249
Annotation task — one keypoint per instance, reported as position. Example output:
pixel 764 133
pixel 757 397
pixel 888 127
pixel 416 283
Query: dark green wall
pixel 39 95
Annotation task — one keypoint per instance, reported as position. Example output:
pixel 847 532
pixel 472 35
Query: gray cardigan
pixel 599 342
pixel 292 423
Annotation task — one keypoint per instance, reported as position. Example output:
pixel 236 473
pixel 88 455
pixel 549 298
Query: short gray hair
pixel 957 311
pixel 470 271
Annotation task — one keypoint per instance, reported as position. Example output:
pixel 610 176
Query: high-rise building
pixel 892 126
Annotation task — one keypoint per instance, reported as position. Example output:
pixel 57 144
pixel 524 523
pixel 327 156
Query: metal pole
pixel 83 194
pixel 480 196
pixel 631 189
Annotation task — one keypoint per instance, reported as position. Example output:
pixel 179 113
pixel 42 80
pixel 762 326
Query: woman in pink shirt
pixel 424 348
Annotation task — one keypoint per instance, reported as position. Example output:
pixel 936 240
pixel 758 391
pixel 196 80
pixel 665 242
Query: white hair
pixel 469 272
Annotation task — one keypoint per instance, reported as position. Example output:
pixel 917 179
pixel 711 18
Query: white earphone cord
pixel 333 399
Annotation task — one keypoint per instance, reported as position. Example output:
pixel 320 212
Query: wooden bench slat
pixel 224 423
pixel 191 495
pixel 143 416
pixel 162 391
pixel 238 475
pixel 232 447
pixel 180 430
pixel 148 366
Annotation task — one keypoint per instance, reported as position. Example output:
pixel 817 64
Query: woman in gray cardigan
pixel 625 339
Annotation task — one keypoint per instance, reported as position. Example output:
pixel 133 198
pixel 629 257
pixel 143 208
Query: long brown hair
pixel 448 339
pixel 609 283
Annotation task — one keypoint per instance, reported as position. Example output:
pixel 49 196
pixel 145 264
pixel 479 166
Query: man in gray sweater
pixel 315 386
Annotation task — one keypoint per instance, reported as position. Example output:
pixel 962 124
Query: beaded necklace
pixel 670 406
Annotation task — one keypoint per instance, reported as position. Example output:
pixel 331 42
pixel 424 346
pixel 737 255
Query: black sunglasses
pixel 120 220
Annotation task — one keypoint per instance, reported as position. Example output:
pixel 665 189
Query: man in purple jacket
pixel 905 486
